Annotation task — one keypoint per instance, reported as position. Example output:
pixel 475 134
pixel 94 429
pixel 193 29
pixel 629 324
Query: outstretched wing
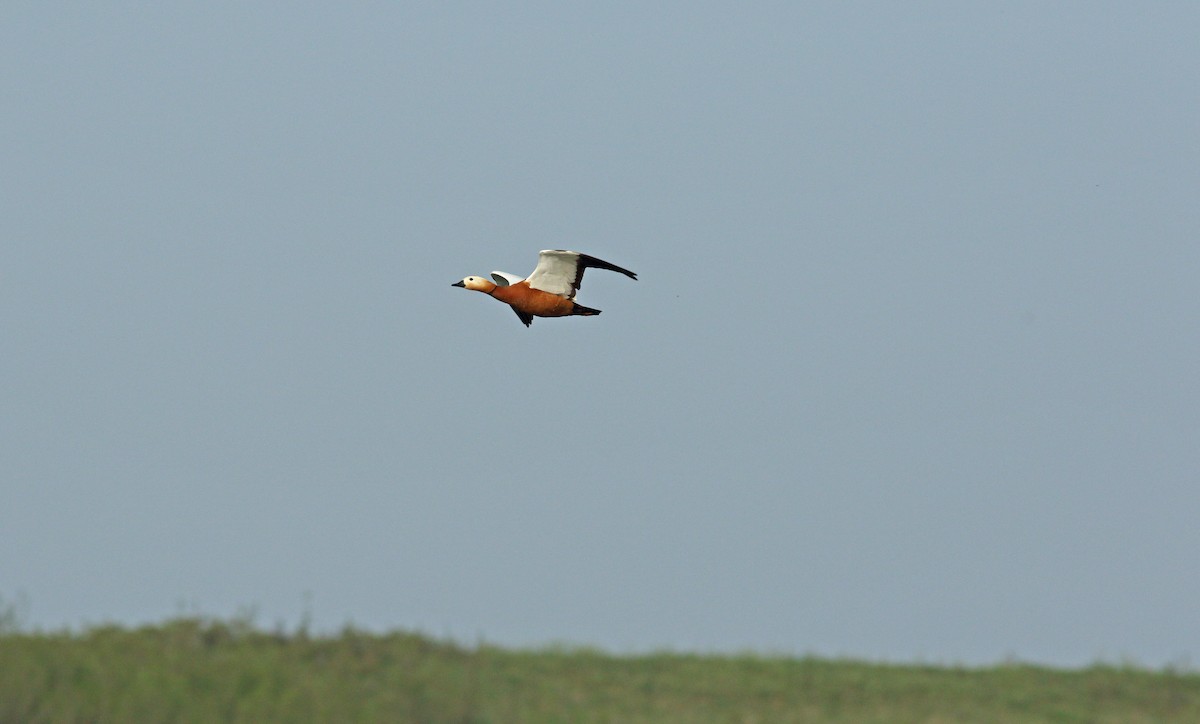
pixel 504 279
pixel 561 272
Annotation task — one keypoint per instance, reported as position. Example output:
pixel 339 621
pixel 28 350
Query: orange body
pixel 533 301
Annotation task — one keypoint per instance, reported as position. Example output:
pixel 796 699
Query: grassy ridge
pixel 201 670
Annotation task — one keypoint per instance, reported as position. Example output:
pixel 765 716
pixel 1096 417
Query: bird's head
pixel 478 284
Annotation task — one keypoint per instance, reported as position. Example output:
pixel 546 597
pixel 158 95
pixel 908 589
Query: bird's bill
pixel 459 284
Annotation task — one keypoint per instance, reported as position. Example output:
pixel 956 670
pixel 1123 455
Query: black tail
pixel 584 311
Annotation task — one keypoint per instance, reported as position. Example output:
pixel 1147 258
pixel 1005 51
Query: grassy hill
pixel 202 670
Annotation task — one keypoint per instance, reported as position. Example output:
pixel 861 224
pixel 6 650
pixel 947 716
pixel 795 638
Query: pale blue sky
pixel 910 371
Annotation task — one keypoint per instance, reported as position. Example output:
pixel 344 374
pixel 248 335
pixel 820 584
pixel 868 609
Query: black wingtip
pixel 591 261
pixel 526 319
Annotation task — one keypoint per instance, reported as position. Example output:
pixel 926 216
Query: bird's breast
pixel 524 298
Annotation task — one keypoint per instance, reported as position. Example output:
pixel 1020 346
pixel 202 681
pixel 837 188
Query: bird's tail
pixel 584 311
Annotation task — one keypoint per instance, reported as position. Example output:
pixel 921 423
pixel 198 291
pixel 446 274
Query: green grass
pixel 203 670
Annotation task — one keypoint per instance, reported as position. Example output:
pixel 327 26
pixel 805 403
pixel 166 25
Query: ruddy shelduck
pixel 550 289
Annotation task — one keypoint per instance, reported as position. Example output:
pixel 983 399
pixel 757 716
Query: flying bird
pixel 550 289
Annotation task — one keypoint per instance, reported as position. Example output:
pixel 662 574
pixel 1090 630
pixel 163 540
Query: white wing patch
pixel 504 279
pixel 557 272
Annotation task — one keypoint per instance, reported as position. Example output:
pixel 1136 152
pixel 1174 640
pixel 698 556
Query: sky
pixel 909 372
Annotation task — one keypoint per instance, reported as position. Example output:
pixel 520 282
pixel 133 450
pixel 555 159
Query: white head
pixel 478 284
